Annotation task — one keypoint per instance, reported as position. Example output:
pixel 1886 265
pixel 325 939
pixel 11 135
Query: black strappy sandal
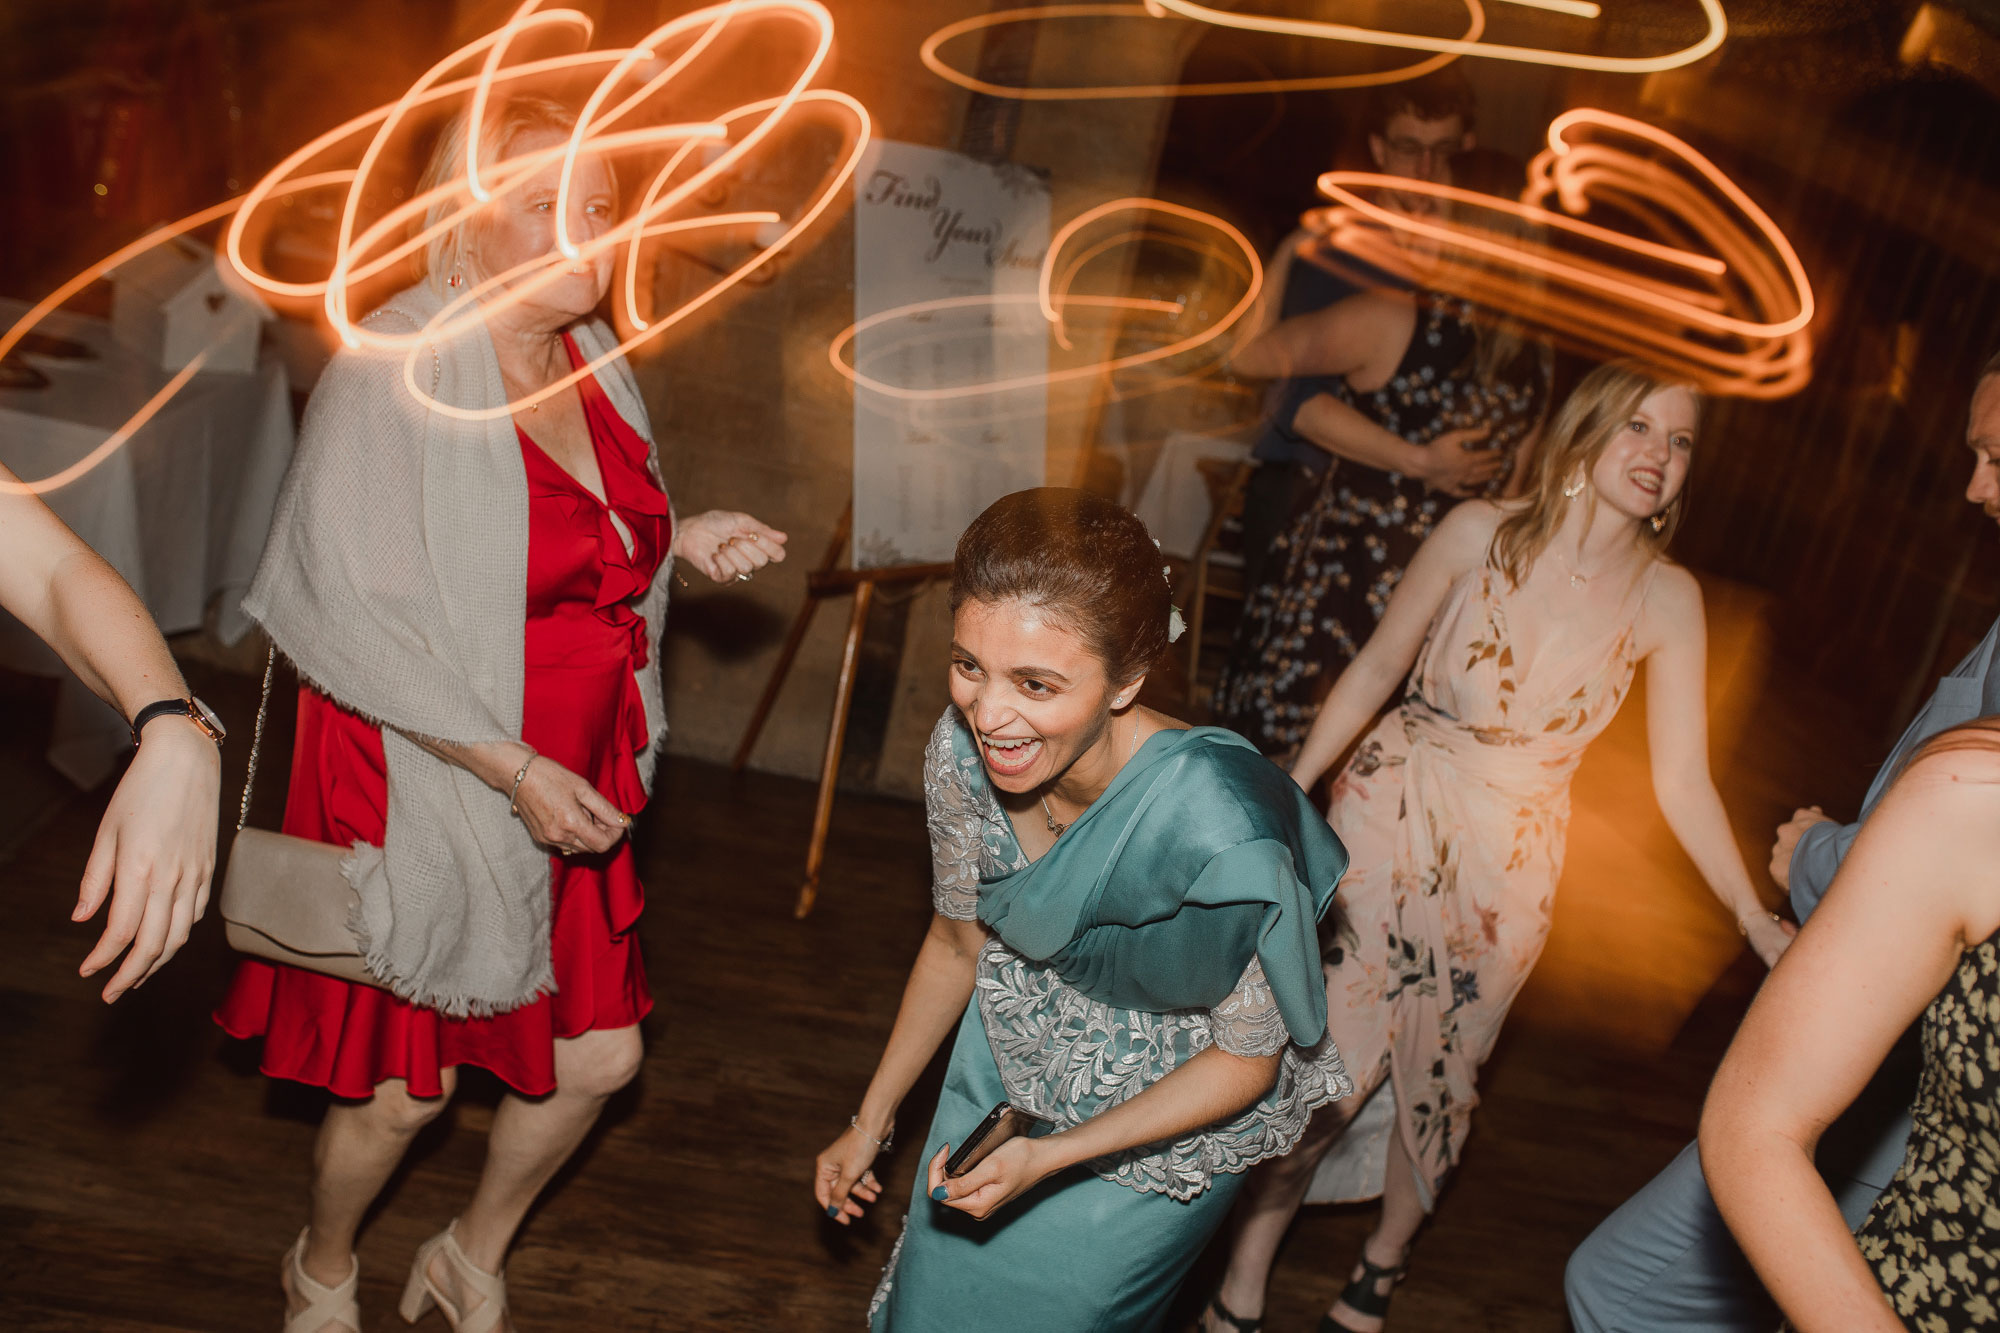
pixel 1361 1296
pixel 1235 1321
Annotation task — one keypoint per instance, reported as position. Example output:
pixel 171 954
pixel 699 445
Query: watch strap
pixel 165 708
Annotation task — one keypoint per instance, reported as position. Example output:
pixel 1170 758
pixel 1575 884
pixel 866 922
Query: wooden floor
pixel 150 1178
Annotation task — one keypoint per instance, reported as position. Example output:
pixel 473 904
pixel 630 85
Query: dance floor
pixel 150 1178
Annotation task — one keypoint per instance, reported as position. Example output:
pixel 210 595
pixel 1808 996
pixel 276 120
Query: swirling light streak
pixel 1053 299
pixel 831 191
pixel 358 258
pixel 1732 314
pixel 928 52
pixel 1718 30
pixel 1443 49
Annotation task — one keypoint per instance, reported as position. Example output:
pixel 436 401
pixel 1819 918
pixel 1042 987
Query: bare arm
pixel 1271 300
pixel 1453 462
pixel 1459 544
pixel 154 853
pixel 1213 1086
pixel 1677 735
pixel 934 1000
pixel 1363 335
pixel 1919 883
pixel 561 810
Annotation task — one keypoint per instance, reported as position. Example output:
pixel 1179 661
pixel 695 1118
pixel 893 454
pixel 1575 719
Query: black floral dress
pixel 1329 578
pixel 1933 1238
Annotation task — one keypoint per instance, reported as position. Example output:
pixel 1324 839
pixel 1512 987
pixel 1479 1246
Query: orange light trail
pixel 928 52
pixel 1718 30
pixel 1053 300
pixel 1732 314
pixel 1444 49
pixel 385 241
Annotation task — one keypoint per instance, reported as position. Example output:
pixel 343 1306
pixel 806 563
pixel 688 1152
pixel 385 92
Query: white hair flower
pixel 1176 626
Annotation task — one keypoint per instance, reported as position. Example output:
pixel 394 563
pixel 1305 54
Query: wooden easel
pixel 828 580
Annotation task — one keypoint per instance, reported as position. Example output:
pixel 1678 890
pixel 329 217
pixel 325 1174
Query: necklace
pixel 1577 579
pixel 1049 816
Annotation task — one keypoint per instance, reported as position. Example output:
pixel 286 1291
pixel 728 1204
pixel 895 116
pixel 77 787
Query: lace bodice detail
pixel 1065 1056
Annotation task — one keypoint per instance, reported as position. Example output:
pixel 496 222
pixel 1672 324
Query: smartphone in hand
pixel 1003 1122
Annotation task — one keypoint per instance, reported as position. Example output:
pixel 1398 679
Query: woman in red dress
pixel 600 540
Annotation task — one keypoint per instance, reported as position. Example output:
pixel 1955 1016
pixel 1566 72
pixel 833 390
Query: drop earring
pixel 1659 520
pixel 1575 487
pixel 454 280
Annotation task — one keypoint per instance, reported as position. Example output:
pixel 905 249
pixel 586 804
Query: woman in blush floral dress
pixel 1435 400
pixel 1519 627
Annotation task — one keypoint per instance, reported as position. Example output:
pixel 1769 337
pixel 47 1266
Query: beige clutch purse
pixel 283 898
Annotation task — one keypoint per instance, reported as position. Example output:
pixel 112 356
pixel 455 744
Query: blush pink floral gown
pixel 1454 810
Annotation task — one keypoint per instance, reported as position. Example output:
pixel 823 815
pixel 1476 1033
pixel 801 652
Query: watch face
pixel 206 716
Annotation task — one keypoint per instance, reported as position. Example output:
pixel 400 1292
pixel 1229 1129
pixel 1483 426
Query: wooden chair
pixel 1225 479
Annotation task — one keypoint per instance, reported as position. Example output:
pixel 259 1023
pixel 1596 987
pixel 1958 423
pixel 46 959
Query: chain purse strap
pixel 271 662
pixel 257 739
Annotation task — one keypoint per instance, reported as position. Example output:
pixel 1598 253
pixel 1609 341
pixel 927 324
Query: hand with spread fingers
pixel 1460 463
pixel 1009 1171
pixel 727 546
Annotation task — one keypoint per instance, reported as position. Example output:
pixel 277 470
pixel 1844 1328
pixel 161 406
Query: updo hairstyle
pixel 1083 561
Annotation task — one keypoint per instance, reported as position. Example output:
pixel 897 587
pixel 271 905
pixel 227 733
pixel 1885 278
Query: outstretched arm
pixel 1919 885
pixel 939 988
pixel 1677 734
pixel 155 849
pixel 1458 544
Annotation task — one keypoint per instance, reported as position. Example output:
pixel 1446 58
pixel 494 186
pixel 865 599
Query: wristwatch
pixel 192 708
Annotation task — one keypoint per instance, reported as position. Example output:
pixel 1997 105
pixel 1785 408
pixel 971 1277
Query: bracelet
pixel 1743 923
pixel 513 804
pixel 881 1145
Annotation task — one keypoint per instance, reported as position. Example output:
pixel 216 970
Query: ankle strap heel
pixel 421 1292
pixel 327 1308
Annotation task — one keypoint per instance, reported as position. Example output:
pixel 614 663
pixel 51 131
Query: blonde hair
pixel 1602 405
pixel 448 252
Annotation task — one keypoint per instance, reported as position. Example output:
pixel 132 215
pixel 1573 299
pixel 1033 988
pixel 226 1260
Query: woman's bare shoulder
pixel 1967 755
pixel 1469 528
pixel 1672 599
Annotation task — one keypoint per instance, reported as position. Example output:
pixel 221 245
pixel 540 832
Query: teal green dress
pixel 1179 911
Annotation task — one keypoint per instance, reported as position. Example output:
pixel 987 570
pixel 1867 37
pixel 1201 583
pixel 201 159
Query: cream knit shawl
pixel 395 578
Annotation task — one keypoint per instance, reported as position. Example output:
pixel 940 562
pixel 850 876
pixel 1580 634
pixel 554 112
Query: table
pixel 1175 502
pixel 181 510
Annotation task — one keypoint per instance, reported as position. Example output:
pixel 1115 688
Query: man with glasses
pixel 1414 129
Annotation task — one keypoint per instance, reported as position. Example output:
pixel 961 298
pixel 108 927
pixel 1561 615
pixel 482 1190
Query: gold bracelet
pixel 513 804
pixel 1743 923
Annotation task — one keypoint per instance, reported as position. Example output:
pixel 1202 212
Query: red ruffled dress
pixel 581 707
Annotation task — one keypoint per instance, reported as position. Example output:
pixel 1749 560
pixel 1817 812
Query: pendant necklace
pixel 1049 816
pixel 1576 580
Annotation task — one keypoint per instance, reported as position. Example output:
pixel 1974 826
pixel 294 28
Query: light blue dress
pixel 1199 874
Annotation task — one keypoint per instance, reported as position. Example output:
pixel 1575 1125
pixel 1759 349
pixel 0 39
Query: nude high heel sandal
pixel 420 1292
pixel 327 1308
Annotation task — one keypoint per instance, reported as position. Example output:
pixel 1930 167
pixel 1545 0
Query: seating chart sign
pixel 947 254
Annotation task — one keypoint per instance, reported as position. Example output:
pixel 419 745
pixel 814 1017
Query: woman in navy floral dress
pixel 1434 400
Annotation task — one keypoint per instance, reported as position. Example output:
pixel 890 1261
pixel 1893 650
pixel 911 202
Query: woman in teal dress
pixel 1125 943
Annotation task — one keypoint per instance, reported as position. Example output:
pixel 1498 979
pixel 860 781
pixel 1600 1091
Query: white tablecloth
pixel 181 510
pixel 1174 501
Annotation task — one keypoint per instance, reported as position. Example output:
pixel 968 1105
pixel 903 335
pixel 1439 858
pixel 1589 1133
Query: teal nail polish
pixel 832 1211
pixel 940 1194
